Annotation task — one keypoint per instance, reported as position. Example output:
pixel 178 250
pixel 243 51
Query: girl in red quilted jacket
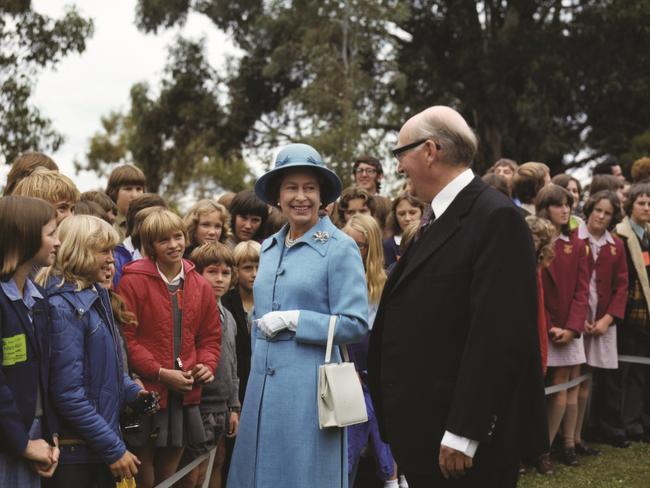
pixel 175 346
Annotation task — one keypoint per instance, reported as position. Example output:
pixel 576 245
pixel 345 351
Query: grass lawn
pixel 626 468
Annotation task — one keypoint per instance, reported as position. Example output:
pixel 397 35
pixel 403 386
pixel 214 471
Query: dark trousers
pixel 623 402
pixel 82 475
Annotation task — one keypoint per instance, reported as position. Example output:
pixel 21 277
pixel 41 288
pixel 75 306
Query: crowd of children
pixel 126 328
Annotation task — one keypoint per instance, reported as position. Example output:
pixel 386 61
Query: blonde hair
pixel 159 224
pixel 49 185
pixel 206 207
pixel 408 235
pixel 543 233
pixel 374 262
pixel 81 236
pixel 247 252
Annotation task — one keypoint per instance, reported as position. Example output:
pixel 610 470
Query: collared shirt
pixel 448 194
pixel 28 297
pixel 177 279
pixel 128 245
pixel 639 230
pixel 595 244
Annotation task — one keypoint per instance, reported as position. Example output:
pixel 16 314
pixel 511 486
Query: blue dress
pixel 279 442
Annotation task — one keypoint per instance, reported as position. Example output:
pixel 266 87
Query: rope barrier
pixel 633 359
pixel 186 469
pixel 549 390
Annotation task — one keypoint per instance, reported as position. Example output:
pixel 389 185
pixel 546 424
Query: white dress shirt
pixel 439 204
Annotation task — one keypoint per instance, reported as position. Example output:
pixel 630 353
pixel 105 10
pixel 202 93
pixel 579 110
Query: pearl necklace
pixel 288 242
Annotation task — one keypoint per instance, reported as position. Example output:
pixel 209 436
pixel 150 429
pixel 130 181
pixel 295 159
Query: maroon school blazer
pixel 611 279
pixel 566 284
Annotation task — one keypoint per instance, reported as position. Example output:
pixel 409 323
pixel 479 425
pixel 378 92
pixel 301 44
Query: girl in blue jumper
pixel 27 425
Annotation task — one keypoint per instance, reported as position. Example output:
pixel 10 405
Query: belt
pixel 72 442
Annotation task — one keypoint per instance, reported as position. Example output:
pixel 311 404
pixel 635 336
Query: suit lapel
pixel 439 232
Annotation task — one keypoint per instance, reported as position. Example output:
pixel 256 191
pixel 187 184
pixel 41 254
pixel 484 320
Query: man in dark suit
pixel 454 356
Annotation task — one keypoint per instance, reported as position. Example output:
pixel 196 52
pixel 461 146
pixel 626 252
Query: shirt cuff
pixel 462 444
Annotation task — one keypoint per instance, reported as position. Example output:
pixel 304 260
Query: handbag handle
pixel 330 342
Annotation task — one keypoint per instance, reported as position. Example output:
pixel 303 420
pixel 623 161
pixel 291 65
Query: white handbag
pixel 340 397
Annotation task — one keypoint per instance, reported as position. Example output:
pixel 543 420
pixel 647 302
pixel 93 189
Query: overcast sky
pixel 85 87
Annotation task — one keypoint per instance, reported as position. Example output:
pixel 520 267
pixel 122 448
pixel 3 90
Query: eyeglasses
pixel 365 171
pixel 399 152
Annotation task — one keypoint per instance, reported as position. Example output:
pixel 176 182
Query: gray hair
pixel 449 129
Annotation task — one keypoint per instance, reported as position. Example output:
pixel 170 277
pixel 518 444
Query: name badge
pixel 14 350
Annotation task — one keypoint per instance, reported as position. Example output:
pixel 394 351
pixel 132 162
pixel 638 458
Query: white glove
pixel 273 322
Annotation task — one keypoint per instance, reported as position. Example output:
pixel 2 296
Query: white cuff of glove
pixel 273 322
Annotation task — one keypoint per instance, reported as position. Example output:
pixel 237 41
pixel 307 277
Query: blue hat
pixel 299 156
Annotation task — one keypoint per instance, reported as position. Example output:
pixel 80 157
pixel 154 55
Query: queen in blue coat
pixel 308 272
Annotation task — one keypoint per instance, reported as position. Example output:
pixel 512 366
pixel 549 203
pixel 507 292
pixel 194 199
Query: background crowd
pixel 127 327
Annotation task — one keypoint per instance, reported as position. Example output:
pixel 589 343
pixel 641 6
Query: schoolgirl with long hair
pixel 89 384
pixel 405 210
pixel 608 285
pixel 366 233
pixel 566 288
pixel 27 422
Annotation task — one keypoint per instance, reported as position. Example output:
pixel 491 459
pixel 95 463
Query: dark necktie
pixel 645 242
pixel 427 218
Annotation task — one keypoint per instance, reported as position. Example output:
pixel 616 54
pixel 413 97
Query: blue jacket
pixel 122 257
pixel 89 386
pixel 25 358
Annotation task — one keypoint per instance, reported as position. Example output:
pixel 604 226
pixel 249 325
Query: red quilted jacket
pixel 150 343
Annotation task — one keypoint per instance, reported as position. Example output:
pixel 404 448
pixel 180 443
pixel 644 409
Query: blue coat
pixel 279 442
pixel 20 373
pixel 88 383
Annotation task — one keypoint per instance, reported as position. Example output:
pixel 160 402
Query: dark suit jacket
pixel 454 346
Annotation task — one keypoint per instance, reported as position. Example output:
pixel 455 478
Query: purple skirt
pixel 367 433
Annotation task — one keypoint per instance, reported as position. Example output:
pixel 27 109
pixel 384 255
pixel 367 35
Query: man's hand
pixel 202 374
pixel 125 467
pixel 453 463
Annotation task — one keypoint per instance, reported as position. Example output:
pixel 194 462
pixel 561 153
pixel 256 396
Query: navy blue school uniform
pixel 391 252
pixel 24 376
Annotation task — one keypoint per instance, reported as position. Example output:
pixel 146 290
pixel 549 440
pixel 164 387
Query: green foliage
pixel 176 136
pixel 624 468
pixel 559 82
pixel 30 42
